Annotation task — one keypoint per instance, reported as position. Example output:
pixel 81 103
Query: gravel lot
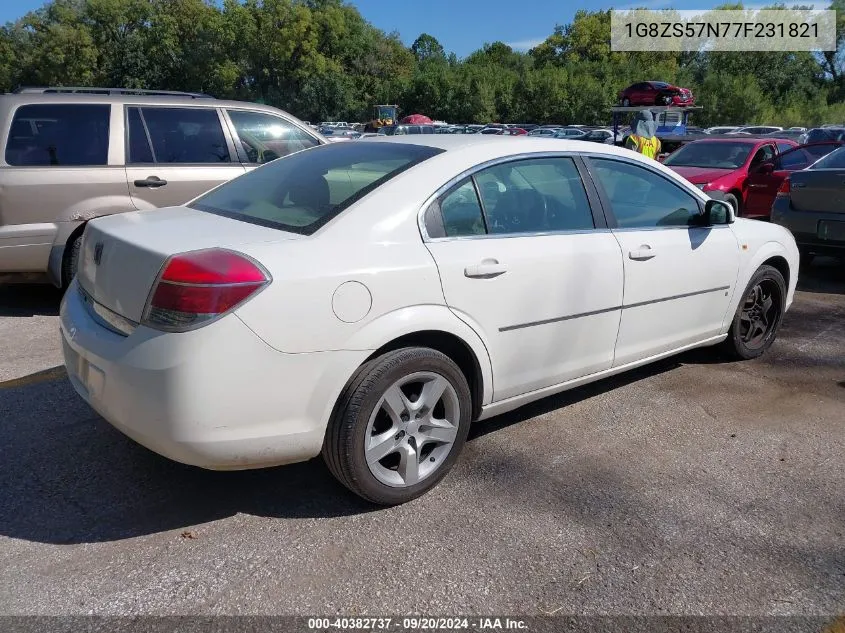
pixel 694 486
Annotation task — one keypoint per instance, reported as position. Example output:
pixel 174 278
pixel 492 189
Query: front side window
pixel 266 137
pixel 59 135
pixel 177 135
pixel 763 155
pixel 303 191
pixel 641 198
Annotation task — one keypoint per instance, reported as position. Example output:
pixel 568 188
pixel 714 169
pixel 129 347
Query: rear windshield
pixel 301 192
pixel 834 160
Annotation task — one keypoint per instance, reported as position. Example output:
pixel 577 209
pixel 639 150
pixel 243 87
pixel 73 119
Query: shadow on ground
pixel 23 300
pixel 66 476
pixel 825 275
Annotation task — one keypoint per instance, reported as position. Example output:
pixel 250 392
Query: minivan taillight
pixel 784 189
pixel 197 287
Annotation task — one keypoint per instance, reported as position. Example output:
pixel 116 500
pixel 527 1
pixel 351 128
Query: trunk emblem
pixel 98 253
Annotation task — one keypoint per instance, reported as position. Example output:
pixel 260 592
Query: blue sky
pixel 463 26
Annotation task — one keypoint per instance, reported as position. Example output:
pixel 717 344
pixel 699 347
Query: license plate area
pixel 831 230
pixel 84 374
pixel 76 366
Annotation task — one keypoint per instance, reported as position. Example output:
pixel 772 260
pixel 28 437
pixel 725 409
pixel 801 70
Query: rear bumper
pixel 217 397
pixel 804 226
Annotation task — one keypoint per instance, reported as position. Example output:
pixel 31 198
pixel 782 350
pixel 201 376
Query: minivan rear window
pixel 59 135
pixel 301 192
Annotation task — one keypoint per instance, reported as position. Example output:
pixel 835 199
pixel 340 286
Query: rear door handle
pixel 642 253
pixel 797 185
pixel 486 269
pixel 151 181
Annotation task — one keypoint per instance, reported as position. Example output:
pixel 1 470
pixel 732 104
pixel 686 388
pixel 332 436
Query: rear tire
pixel 71 261
pixel 399 425
pixel 758 316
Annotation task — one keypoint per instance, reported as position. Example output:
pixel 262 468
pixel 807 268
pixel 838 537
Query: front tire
pixel 626 102
pixel 758 316
pixel 732 200
pixel 399 425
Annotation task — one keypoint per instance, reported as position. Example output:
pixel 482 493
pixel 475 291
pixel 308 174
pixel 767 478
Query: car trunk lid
pixel 123 254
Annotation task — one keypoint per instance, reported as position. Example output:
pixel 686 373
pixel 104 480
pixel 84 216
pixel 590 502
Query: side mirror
pixel 766 168
pixel 718 212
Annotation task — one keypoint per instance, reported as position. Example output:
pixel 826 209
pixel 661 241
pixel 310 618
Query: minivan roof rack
pixel 111 91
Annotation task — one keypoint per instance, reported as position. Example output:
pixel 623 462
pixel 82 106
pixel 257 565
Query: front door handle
pixel 151 181
pixel 643 253
pixel 487 269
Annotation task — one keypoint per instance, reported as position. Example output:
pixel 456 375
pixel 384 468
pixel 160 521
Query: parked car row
pixel 801 187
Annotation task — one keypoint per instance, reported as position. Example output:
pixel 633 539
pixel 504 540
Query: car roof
pixel 498 146
pixel 748 140
pixel 141 99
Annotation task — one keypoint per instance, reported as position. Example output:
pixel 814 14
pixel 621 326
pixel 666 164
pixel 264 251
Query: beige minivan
pixel 73 154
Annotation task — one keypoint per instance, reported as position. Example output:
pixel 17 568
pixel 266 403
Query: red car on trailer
pixel 657 93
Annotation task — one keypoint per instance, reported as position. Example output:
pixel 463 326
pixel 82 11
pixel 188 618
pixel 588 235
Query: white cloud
pixel 524 45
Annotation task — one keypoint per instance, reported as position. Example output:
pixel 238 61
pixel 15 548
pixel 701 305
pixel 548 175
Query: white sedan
pixel 369 300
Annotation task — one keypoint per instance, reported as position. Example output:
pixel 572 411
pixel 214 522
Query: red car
pixel 656 93
pixel 748 171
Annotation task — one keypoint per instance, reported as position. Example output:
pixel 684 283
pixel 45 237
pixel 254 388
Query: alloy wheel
pixel 760 312
pixel 412 429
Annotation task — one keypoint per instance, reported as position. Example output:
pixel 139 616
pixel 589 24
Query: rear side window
pixel 59 135
pixel 176 135
pixel 461 212
pixel 541 195
pixel 535 196
pixel 792 160
pixel 303 191
pixel 266 137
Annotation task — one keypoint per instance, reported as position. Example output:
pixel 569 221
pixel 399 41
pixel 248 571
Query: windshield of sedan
pixel 303 191
pixel 716 155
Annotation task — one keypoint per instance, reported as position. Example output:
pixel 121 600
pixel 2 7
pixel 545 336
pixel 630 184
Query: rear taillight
pixel 197 287
pixel 784 189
